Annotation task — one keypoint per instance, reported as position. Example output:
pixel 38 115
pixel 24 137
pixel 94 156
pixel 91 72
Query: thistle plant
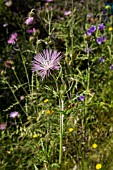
pixel 43 64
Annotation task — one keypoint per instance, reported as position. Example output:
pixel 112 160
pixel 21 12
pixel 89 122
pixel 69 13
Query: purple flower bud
pixel 82 98
pixel 103 38
pixel 101 60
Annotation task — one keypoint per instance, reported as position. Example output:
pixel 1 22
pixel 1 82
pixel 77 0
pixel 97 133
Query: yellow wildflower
pixel 94 146
pixel 46 100
pixel 35 135
pixel 108 7
pixel 98 166
pixel 52 111
pixel 48 112
pixel 70 129
pixel 110 29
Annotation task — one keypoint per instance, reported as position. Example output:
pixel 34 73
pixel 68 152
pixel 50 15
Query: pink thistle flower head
pixel 12 39
pixel 3 126
pixel 13 114
pixel 29 20
pixel 46 61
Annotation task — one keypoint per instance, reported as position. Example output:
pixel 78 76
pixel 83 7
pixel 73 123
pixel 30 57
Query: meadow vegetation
pixel 56 85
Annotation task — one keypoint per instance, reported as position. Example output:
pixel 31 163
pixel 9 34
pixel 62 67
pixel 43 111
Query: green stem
pixel 88 83
pixel 19 81
pixel 15 97
pixel 49 21
pixel 23 60
pixel 61 131
pixel 71 31
pixel 24 65
pixel 87 89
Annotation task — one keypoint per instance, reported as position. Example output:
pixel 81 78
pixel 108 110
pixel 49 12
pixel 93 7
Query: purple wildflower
pixel 12 39
pixel 100 40
pixel 101 26
pixel 49 0
pixel 91 30
pixel 46 61
pixel 101 60
pixel 3 126
pixel 81 98
pixel 111 67
pixel 29 20
pixel 88 50
pixel 31 30
pixel 13 114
